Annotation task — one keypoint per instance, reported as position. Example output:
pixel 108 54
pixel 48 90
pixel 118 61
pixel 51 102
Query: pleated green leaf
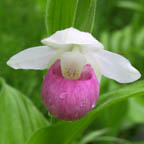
pixel 61 14
pixel 85 15
pixel 65 132
pixel 19 118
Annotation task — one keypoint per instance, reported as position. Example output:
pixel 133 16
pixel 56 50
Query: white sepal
pixel 94 64
pixel 71 36
pixel 116 67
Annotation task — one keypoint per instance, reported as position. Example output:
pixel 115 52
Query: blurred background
pixel 120 27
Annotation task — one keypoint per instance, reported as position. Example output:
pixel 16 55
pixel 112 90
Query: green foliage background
pixel 118 24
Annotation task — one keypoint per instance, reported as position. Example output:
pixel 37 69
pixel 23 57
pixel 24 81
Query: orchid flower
pixel 75 61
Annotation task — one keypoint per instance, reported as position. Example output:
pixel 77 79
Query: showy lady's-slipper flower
pixel 76 61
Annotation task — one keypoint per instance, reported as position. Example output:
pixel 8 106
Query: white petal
pixel 32 58
pixel 116 67
pixel 72 64
pixel 72 36
pixel 92 61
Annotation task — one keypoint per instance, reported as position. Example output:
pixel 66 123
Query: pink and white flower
pixel 76 62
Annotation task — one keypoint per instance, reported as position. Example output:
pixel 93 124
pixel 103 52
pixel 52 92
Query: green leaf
pixel 93 135
pixel 19 117
pixel 130 5
pixel 65 132
pixel 85 15
pixel 136 110
pixel 137 143
pixel 61 14
pixel 112 139
pixel 109 118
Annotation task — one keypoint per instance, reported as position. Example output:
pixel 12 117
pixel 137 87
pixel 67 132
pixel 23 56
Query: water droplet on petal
pixel 63 95
pixel 82 104
pixel 93 105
